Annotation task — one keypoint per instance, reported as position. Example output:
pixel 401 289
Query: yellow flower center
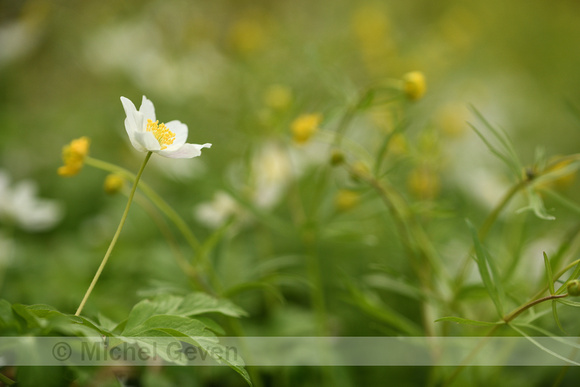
pixel 161 132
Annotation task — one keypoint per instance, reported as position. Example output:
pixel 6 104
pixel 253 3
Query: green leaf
pixel 575 304
pixel 164 304
pixel 536 205
pixel 466 321
pixel 27 316
pixel 379 310
pixel 7 317
pixel 65 323
pixel 555 314
pixel 396 285
pixel 484 264
pixel 187 326
pixel 190 331
pixel 540 346
pixel 508 154
pixel 199 303
pixel 549 273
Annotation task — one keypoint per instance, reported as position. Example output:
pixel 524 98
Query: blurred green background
pixel 238 73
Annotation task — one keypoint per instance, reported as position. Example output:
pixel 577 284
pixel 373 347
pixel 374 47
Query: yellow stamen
pixel 161 132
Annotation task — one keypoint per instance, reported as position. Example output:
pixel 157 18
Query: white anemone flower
pixel 148 135
pixel 20 206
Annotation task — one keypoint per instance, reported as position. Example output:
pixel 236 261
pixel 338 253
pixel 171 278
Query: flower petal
pixel 187 151
pixel 136 144
pixel 148 141
pixel 147 109
pixel 134 121
pixel 180 130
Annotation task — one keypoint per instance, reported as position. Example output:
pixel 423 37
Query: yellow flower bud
pixel 573 288
pixel 424 183
pixel 414 85
pixel 305 126
pixel 113 183
pixel 73 156
pixel 359 169
pixel 346 199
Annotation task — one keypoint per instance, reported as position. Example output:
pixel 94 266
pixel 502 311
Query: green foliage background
pixel 300 266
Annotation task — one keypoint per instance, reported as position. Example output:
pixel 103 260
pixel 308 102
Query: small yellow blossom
pixel 305 126
pixel 250 33
pixel 73 156
pixel 278 97
pixel 113 183
pixel 346 199
pixel 424 183
pixel 414 85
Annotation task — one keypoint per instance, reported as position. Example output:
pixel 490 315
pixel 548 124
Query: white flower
pixel 148 135
pixel 19 205
pixel 216 213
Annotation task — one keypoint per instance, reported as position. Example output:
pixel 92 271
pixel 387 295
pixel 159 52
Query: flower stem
pixel 154 197
pixel 507 319
pixel 115 237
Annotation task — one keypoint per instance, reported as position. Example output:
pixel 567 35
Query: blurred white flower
pixel 20 206
pixel 271 171
pixel 148 135
pixel 139 49
pixel 216 213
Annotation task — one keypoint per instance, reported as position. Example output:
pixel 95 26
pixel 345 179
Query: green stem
pixel 529 304
pixel 155 198
pixel 507 319
pixel 556 277
pixel 6 380
pixel 484 229
pixel 181 261
pixel 115 237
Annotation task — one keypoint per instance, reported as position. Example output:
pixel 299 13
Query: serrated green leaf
pixel 164 304
pixel 188 330
pixel 199 303
pixel 484 264
pixel 70 324
pixel 26 316
pixel 188 326
pixel 466 321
